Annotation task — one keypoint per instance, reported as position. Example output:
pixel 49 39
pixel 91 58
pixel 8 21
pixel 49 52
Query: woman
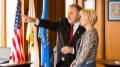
pixel 86 54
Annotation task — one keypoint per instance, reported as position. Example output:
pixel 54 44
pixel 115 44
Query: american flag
pixel 17 40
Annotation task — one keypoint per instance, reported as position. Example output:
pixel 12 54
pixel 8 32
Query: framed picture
pixel 114 10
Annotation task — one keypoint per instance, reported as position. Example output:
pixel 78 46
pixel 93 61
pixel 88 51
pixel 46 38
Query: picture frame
pixel 114 10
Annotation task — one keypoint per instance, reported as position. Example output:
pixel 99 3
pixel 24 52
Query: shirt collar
pixel 77 24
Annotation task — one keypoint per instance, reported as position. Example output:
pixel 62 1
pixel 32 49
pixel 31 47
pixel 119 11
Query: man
pixel 67 36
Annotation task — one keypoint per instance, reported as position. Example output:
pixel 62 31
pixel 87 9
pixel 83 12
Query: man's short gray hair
pixel 78 8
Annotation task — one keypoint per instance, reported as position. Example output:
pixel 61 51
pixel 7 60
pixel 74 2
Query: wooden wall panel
pixel 38 7
pixel 51 16
pixel 80 2
pixel 3 24
pixel 100 27
pixel 60 8
pixel 112 37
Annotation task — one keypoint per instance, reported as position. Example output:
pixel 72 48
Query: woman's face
pixel 84 20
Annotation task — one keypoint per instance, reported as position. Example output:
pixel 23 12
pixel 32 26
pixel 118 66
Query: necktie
pixel 71 33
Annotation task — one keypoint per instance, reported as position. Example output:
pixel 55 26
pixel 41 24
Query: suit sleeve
pixel 52 25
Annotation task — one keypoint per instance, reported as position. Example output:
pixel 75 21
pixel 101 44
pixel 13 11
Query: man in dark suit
pixel 66 43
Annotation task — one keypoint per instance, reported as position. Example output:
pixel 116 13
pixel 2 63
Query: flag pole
pixel 23 28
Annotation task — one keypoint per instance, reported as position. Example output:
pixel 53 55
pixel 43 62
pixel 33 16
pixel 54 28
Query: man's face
pixel 72 15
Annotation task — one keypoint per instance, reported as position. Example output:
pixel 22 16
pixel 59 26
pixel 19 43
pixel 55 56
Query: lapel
pixel 65 33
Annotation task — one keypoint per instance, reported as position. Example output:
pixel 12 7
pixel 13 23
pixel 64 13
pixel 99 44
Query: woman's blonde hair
pixel 91 14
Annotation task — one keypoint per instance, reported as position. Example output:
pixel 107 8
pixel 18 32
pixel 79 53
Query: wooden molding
pixel 3 26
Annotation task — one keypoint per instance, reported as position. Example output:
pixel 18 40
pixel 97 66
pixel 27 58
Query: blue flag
pixel 45 51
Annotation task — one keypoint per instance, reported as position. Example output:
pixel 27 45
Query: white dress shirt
pixel 75 27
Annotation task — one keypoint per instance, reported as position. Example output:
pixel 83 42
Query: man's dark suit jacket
pixel 62 27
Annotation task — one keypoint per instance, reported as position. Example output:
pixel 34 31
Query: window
pixel 10 20
pixel 0 22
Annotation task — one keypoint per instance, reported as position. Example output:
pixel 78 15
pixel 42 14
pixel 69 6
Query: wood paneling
pixel 51 16
pixel 112 37
pixel 100 65
pixel 3 27
pixel 100 27
pixel 38 7
pixel 80 2
pixel 60 8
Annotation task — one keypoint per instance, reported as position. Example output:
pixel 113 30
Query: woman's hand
pixel 71 65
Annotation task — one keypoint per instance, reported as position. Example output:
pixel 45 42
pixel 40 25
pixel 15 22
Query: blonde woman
pixel 86 54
